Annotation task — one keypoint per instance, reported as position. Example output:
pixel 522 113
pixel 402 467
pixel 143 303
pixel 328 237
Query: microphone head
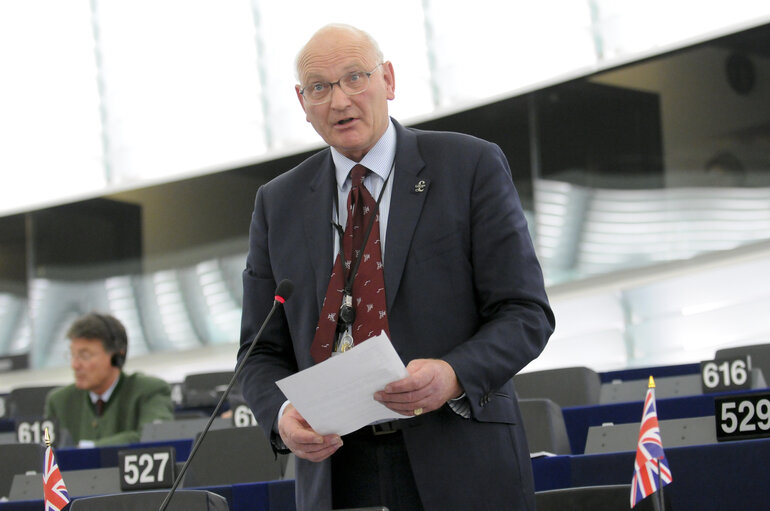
pixel 284 289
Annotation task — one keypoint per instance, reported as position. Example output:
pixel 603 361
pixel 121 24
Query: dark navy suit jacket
pixel 462 284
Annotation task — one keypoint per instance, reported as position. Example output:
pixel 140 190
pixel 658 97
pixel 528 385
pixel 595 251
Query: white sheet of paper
pixel 337 395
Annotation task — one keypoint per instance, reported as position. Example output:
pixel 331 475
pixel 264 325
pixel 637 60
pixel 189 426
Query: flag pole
pixel 661 504
pixel 47 438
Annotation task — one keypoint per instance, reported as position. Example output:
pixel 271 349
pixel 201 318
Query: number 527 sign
pixel 147 468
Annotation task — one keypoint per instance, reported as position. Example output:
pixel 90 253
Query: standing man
pixel 106 406
pixel 456 286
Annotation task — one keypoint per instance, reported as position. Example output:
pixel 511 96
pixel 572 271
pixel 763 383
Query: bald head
pixel 330 36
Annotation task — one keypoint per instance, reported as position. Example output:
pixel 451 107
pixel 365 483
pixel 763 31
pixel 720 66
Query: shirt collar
pixel 379 159
pixel 107 393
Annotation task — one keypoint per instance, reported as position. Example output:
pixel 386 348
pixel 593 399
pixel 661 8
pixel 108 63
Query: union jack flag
pixel 649 453
pixel 54 491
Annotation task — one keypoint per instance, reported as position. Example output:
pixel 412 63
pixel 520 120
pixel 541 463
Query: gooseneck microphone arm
pixel 282 293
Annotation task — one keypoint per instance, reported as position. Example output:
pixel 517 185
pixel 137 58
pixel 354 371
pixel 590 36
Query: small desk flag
pixel 54 491
pixel 651 472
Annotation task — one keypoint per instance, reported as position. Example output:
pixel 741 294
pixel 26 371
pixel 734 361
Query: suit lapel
pixel 407 199
pixel 317 213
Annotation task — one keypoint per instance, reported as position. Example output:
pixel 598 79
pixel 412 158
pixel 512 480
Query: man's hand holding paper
pixel 337 395
pixel 430 384
pixel 302 440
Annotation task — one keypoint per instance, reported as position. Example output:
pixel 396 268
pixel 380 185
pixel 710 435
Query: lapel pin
pixel 420 186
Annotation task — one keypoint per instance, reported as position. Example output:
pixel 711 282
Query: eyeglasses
pixel 80 356
pixel 351 84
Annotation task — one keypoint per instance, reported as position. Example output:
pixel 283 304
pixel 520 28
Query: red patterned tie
pixel 369 282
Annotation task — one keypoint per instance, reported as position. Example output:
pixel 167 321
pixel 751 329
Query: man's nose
pixel 339 99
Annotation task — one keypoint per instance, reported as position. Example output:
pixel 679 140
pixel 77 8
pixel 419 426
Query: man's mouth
pixel 344 121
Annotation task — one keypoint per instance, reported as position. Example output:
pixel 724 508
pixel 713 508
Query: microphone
pixel 282 293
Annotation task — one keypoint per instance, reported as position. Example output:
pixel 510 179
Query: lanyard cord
pixel 354 269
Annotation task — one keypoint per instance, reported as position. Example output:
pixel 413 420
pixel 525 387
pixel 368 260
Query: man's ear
pixel 390 79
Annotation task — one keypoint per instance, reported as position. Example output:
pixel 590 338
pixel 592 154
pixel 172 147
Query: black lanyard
pixel 354 267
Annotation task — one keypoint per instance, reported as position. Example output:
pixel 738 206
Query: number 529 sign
pixel 742 416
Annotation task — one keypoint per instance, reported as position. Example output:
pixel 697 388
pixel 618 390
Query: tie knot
pixel 358 174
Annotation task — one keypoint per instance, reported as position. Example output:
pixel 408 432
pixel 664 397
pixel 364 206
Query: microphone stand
pixel 284 288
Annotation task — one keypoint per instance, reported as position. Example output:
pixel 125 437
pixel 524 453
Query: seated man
pixel 105 406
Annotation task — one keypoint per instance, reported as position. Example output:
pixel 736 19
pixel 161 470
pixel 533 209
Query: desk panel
pixel 73 458
pixel 642 373
pixel 578 419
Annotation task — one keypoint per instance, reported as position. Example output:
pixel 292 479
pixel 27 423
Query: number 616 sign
pixel 728 374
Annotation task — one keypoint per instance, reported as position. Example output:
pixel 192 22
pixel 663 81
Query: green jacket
pixel 137 400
